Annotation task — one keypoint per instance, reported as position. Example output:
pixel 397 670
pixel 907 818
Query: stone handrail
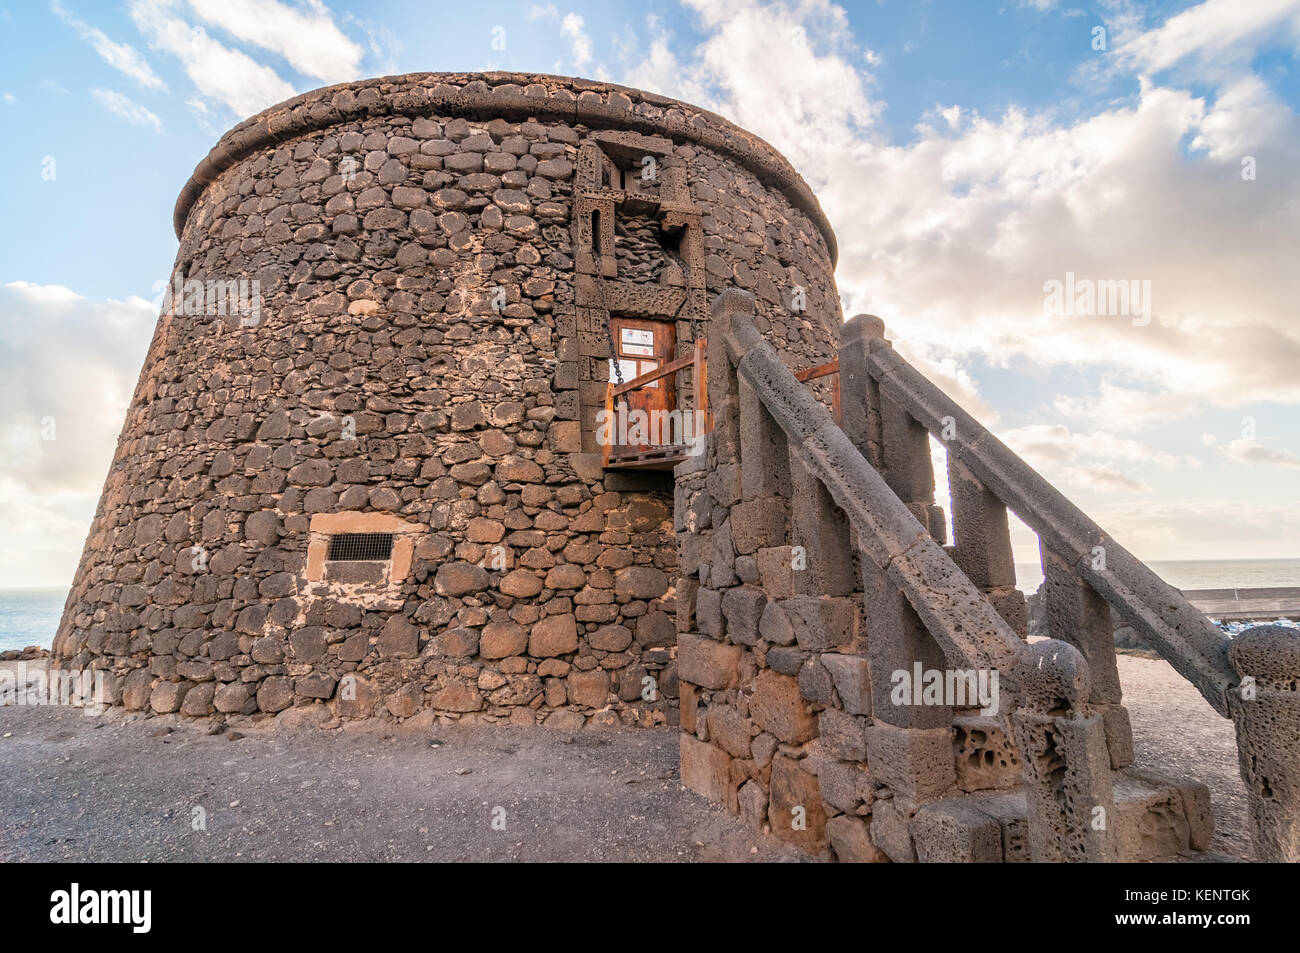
pixel 1193 645
pixel 1062 740
pixel 1254 679
pixel 953 610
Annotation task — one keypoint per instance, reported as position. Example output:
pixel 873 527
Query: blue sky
pixel 966 153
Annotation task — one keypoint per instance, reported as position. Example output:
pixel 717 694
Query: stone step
pixel 1159 819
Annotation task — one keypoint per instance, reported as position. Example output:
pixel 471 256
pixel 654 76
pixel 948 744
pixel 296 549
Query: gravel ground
pixel 73 791
pixel 123 788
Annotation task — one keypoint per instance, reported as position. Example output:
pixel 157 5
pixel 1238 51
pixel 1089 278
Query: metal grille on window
pixel 360 546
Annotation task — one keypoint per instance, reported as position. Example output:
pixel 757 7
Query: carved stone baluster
pixel 910 742
pixel 1064 758
pixel 897 642
pixel 765 466
pixel 721 461
pixel 759 524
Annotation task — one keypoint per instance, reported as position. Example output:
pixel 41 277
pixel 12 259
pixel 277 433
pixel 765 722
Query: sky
pixel 976 160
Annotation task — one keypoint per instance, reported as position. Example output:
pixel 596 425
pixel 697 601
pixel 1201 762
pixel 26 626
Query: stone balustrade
pixel 1252 678
pixel 817 579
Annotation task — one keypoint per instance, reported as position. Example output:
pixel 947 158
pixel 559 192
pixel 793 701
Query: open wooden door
pixel 641 345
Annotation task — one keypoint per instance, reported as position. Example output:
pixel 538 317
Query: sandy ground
pixel 1176 733
pixel 77 788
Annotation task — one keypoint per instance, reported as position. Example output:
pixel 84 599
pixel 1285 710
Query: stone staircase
pixel 864 688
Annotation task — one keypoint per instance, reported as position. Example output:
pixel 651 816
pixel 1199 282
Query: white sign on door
pixel 638 341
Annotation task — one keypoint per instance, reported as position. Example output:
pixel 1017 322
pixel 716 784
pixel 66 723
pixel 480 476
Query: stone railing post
pixel 982 544
pixel 1064 758
pixel 720 374
pixel 722 458
pixel 821 531
pixel 1265 708
pixel 1078 615
pixel 859 392
pixel 906 464
pixel 909 743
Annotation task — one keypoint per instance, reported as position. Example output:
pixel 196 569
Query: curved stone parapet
pixel 508 96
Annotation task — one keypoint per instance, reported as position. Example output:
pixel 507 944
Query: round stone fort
pixel 363 474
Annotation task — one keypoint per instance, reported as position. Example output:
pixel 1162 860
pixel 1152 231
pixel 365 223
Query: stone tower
pixel 360 473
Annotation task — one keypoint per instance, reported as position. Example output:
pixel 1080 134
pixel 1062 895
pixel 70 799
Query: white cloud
pixel 572 27
pixel 778 69
pixel 1105 479
pixel 1098 461
pixel 10 99
pixel 1157 530
pixel 1217 32
pixel 1125 409
pixel 1246 118
pixel 1250 451
pixel 72 362
pixel 43 534
pixel 385 46
pixel 306 36
pixel 1096 445
pixel 120 56
pixel 220 73
pixel 128 109
pixel 68 368
pixel 204 116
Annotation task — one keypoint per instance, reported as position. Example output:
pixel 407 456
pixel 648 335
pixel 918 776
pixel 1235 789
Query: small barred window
pixel 352 547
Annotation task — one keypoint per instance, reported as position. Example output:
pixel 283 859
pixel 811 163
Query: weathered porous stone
pixel 777 706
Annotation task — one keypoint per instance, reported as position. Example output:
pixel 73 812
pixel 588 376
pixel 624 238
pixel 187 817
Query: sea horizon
pixel 1247 573
pixel 29 615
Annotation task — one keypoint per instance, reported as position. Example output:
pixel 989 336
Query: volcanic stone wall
pixel 415 367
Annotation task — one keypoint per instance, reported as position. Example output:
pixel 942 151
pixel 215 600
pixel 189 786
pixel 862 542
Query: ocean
pixel 1199 574
pixel 31 616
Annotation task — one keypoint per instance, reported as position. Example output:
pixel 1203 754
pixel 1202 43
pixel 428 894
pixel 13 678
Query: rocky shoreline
pixel 26 654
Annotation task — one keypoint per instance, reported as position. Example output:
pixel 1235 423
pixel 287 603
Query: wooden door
pixel 643 344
